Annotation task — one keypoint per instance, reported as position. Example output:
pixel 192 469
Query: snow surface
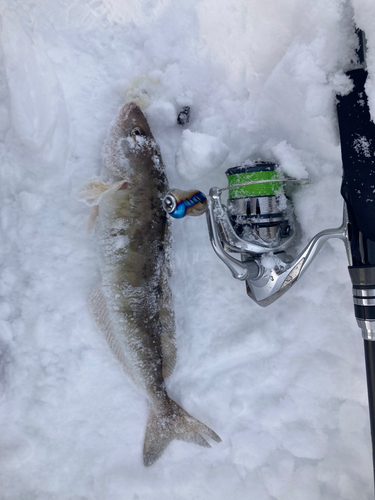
pixel 284 387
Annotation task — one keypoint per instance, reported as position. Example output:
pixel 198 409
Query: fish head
pixel 130 147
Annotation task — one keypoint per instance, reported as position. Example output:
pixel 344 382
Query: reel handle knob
pixel 178 203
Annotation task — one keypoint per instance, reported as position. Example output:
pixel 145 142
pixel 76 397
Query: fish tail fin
pixel 174 423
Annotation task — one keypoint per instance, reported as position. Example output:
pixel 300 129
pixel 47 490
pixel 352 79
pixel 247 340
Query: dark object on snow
pixel 184 116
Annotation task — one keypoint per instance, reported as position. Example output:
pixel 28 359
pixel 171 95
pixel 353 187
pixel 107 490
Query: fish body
pixel 133 304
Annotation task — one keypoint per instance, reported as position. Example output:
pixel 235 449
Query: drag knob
pixel 179 203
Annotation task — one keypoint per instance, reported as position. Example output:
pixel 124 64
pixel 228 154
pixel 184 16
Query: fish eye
pixel 137 131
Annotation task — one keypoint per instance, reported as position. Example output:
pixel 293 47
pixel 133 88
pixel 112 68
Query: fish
pixel 132 306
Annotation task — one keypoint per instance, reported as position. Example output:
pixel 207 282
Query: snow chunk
pixel 33 86
pixel 268 261
pixel 289 160
pixel 199 153
pixel 15 451
pixel 352 417
pixel 363 146
pixel 6 333
pixel 341 83
pixel 162 112
pixel 302 440
pixel 30 202
pixel 5 310
pixel 259 446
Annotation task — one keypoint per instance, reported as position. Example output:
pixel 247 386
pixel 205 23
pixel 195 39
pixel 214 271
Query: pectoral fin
pixel 93 192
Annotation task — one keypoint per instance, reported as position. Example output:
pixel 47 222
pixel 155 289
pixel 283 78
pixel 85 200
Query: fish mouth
pixel 126 109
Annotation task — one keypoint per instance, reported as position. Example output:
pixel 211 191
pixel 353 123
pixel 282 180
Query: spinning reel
pixel 257 226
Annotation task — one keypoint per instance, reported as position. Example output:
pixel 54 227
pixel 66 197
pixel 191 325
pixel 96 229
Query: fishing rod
pixel 258 220
pixel 357 137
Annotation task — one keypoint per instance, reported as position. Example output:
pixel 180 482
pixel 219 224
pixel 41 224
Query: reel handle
pixel 178 203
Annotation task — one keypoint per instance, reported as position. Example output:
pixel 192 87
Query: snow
pixel 292 164
pixel 198 154
pixel 284 387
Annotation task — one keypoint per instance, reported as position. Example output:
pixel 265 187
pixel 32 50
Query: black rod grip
pixel 357 133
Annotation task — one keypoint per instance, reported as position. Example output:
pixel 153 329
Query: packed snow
pixel 198 154
pixel 284 387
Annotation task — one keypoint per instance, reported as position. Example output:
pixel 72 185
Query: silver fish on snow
pixel 133 304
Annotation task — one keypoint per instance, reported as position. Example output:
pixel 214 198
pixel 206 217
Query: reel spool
pixel 253 205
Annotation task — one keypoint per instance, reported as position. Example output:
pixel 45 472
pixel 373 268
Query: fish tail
pixel 174 423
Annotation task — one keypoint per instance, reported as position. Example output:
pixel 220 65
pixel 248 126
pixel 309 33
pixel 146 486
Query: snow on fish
pixel 132 305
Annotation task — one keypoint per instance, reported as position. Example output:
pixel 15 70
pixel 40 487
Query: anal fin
pixel 166 315
pixel 99 310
